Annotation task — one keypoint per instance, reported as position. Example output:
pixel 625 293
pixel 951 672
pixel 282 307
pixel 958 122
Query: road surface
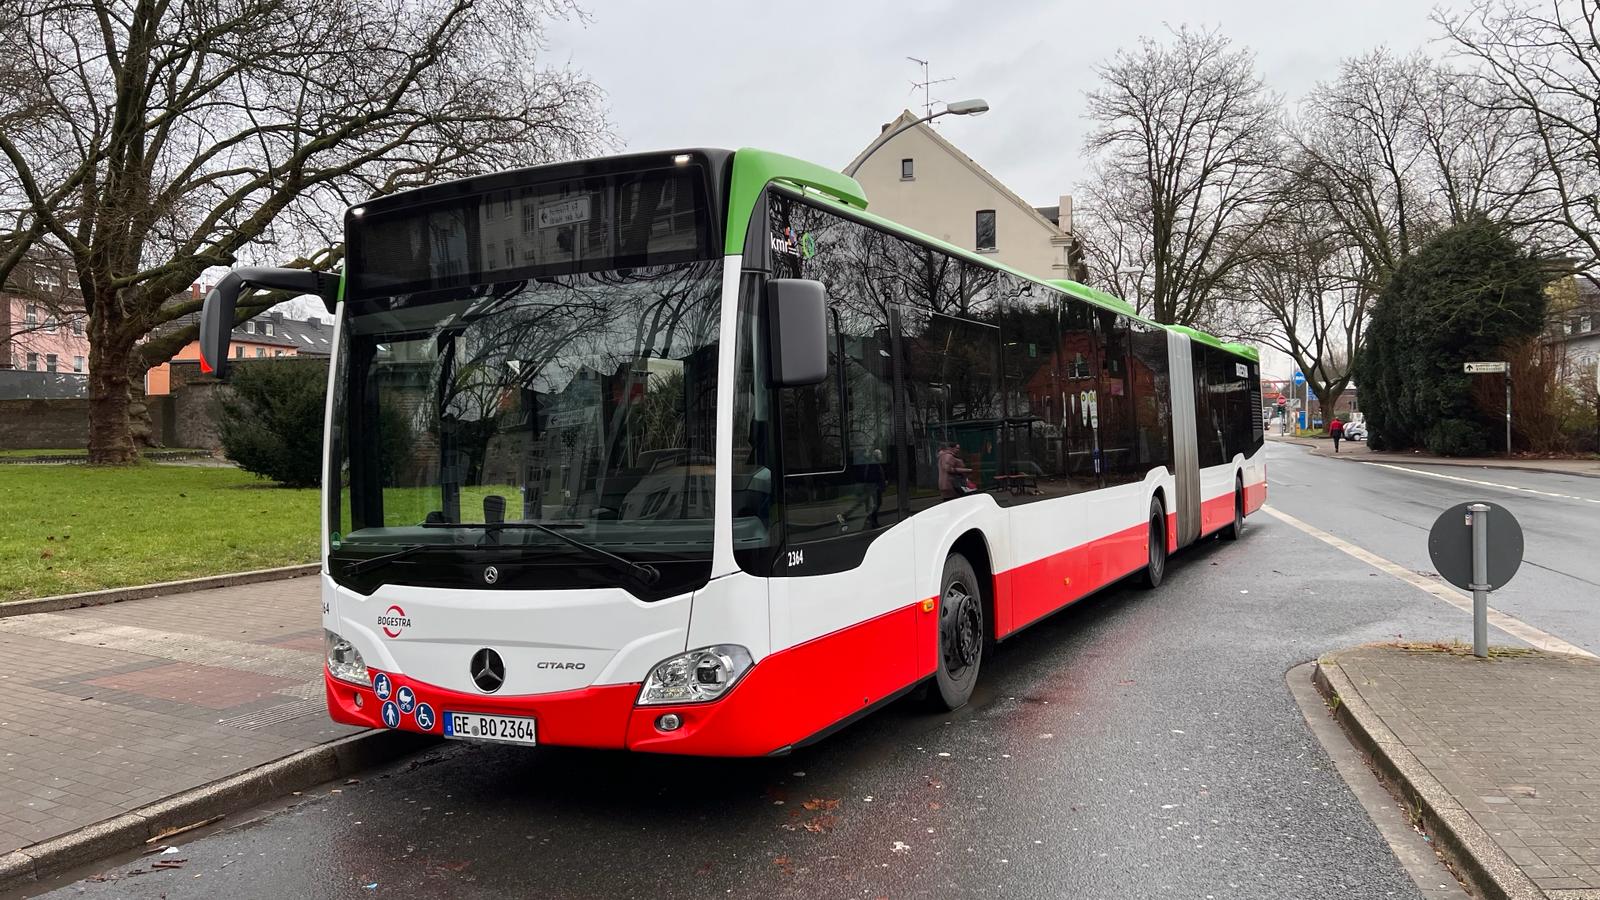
pixel 1136 745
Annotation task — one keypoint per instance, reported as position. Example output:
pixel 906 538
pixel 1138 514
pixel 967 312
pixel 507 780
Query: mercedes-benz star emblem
pixel 488 672
pixel 490 574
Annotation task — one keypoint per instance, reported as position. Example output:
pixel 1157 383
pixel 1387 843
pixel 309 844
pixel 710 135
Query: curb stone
pixel 1465 844
pixel 140 592
pixel 131 830
pixel 1318 446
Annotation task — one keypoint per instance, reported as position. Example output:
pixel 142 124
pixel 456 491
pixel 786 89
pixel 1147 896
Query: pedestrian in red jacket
pixel 1336 431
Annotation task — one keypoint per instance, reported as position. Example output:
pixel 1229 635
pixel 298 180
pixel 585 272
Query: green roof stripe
pixel 754 169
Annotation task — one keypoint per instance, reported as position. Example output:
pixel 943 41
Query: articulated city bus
pixel 691 453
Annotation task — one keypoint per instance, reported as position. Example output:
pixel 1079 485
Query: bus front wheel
pixel 961 634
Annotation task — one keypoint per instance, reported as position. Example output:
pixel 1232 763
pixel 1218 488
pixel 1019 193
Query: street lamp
pixel 973 107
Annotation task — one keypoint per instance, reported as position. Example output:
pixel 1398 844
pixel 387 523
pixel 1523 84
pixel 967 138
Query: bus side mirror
pixel 797 331
pixel 216 315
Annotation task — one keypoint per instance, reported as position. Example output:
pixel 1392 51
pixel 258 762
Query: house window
pixel 1586 324
pixel 238 352
pixel 277 353
pixel 266 327
pixel 45 281
pixel 49 362
pixel 51 323
pixel 261 352
pixel 77 325
pixel 511 253
pixel 250 328
pixel 32 317
pixel 985 229
pixel 907 171
pixel 33 362
pixel 77 364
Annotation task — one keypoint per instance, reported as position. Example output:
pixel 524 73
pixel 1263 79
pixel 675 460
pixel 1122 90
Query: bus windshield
pixel 526 380
pixel 584 403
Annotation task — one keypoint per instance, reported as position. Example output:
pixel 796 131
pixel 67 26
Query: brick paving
pixel 1515 740
pixel 109 708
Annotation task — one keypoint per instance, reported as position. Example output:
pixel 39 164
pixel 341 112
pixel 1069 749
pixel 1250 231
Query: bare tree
pixel 1305 291
pixel 150 140
pixel 1398 148
pixel 1185 141
pixel 1537 69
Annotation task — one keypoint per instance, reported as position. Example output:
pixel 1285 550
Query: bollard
pixel 1480 580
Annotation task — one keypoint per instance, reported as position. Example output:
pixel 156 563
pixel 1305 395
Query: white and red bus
pixel 690 453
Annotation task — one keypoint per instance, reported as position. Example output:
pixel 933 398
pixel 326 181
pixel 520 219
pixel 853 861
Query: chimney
pixel 194 291
pixel 1064 214
pixel 313 321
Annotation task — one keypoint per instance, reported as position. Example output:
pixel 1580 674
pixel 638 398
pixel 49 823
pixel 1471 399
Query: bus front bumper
pixel 742 723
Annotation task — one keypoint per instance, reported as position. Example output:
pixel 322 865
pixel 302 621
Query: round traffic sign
pixel 1450 544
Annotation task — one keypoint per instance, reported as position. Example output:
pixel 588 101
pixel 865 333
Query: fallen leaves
pixel 816 804
pixel 819 824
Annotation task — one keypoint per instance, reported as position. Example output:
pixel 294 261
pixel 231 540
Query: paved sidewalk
pixel 1358 450
pixel 109 708
pixel 1500 757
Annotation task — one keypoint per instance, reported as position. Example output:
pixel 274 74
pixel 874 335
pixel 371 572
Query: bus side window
pixel 813 437
pixel 1148 370
pixel 1118 464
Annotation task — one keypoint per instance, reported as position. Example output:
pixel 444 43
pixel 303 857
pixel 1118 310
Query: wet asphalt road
pixel 1136 745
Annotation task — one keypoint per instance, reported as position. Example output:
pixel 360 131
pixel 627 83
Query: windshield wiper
pixel 643 571
pixel 373 562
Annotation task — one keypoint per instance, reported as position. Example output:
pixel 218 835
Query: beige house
pixel 923 181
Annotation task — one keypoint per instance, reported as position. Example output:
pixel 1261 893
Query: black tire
pixel 1155 567
pixel 962 634
pixel 1235 530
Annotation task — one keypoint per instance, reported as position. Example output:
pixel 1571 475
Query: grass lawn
pixel 65 529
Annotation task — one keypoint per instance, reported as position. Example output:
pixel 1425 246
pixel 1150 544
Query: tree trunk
pixel 110 434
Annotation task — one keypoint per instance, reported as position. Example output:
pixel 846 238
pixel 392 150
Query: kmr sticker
pixel 408 699
pixel 391 714
pixel 381 686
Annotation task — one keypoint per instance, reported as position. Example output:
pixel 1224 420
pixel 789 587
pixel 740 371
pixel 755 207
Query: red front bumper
pixel 603 717
pixel 787 697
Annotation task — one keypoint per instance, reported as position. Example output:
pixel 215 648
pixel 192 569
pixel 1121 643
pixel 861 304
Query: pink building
pixel 43 336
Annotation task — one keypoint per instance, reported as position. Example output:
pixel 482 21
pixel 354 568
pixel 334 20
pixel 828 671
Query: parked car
pixel 1355 431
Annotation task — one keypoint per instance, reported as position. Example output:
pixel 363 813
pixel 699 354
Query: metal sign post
pixel 1459 546
pixel 1480 579
pixel 1495 368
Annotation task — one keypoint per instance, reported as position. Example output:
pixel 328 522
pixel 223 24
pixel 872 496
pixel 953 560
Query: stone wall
pixel 194 406
pixel 44 424
pixel 186 417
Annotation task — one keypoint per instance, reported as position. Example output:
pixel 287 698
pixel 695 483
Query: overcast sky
pixel 818 79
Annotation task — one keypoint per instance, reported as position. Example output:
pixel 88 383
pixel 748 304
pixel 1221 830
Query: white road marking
pixel 1511 625
pixel 1493 484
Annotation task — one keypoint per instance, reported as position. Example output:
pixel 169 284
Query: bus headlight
pixel 697 676
pixel 344 660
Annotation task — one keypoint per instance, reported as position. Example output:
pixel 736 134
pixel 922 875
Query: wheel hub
pixel 961 628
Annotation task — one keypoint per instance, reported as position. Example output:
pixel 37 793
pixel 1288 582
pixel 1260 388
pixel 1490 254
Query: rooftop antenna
pixel 925 83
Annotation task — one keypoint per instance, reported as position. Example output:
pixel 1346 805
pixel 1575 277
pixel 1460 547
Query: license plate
pixel 481 727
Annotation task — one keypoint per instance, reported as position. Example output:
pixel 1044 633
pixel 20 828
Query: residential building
pixel 42 323
pixel 269 335
pixel 920 179
pixel 1576 329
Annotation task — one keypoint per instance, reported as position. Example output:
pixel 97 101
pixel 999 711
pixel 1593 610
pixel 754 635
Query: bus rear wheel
pixel 1155 567
pixel 1235 530
pixel 961 634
